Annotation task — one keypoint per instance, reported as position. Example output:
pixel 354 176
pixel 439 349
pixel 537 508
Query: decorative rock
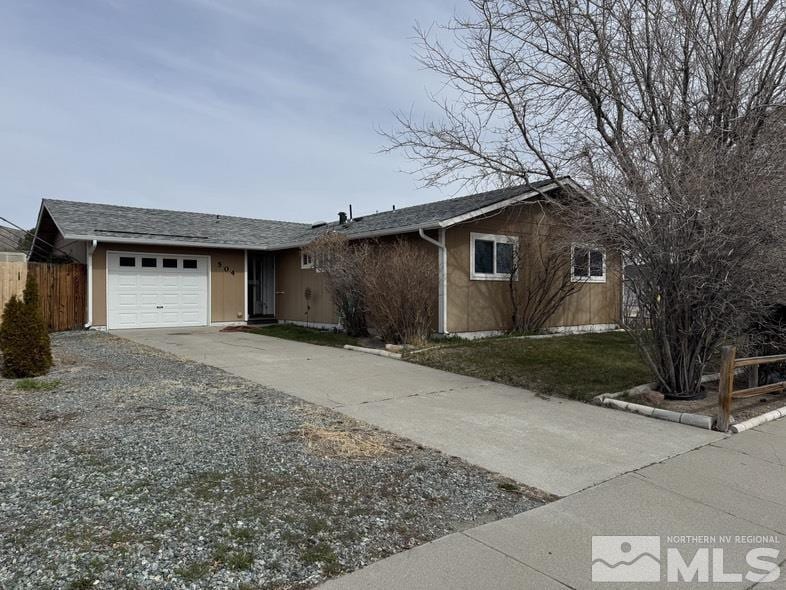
pixel 652 397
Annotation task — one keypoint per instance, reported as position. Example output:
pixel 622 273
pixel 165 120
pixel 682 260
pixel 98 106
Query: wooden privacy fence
pixel 12 279
pixel 62 290
pixel 726 393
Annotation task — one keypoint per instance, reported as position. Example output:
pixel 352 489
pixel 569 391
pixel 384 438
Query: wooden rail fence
pixel 62 290
pixel 726 393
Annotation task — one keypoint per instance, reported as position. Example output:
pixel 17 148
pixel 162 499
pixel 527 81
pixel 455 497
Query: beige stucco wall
pixel 481 305
pixel 291 284
pixel 227 290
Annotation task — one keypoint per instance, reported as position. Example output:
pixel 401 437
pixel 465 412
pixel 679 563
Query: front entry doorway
pixel 261 285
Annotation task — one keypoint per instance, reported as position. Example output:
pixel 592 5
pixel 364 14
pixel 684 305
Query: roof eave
pixel 35 232
pixel 521 197
pixel 365 235
pixel 475 213
pixel 116 240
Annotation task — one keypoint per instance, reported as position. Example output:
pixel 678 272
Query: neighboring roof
pixel 11 239
pixel 88 221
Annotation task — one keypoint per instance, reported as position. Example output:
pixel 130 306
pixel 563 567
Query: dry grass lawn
pixel 578 366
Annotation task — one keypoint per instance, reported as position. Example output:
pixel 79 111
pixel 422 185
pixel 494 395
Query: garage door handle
pixel 159 307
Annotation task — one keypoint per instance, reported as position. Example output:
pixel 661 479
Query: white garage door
pixel 156 291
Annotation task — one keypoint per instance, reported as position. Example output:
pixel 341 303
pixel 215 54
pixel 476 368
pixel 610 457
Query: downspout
pixel 442 320
pixel 91 247
pixel 245 285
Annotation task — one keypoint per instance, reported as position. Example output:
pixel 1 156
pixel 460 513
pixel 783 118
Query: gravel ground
pixel 140 470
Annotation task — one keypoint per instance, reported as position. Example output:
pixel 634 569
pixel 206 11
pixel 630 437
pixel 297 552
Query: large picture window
pixel 588 263
pixel 492 256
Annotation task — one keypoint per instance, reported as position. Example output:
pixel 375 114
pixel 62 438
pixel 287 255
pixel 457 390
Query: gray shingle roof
pixel 104 222
pixel 424 216
pixel 11 239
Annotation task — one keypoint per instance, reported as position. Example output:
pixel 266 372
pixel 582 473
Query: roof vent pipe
pixel 342 217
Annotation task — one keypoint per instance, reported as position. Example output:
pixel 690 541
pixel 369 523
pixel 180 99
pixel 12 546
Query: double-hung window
pixel 492 257
pixel 588 263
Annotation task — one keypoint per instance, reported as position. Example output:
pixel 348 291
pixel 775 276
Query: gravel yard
pixel 139 470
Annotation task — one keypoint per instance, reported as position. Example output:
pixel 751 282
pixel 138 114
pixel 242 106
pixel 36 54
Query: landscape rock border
pixel 697 420
pixel 758 420
pixel 610 400
pixel 376 351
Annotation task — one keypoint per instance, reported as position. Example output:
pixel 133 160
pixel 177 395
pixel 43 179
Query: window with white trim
pixel 588 263
pixel 306 260
pixel 491 257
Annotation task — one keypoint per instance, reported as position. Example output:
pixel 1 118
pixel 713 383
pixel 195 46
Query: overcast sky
pixel 262 108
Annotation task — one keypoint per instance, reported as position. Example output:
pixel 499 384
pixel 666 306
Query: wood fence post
pixel 726 387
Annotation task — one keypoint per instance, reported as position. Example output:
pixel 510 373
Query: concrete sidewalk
pixel 557 445
pixel 733 487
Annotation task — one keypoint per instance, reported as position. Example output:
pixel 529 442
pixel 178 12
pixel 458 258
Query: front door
pixel 261 285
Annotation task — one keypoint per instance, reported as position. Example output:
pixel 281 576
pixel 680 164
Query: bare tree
pixel 671 112
pixel 541 280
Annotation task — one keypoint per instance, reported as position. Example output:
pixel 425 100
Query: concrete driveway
pixel 554 444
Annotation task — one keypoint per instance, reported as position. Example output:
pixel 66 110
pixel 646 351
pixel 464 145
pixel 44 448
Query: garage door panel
pixel 127 320
pixel 141 297
pixel 171 298
pixel 171 317
pixel 149 278
pixel 127 299
pixel 149 316
pixel 169 281
pixel 148 298
pixel 190 281
pixel 125 280
pixel 190 299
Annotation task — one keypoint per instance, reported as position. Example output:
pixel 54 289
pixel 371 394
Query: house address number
pixel 222 267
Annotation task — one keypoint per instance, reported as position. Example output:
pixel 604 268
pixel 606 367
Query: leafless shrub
pixel 541 279
pixel 670 111
pixel 400 290
pixel 343 263
pixel 389 285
